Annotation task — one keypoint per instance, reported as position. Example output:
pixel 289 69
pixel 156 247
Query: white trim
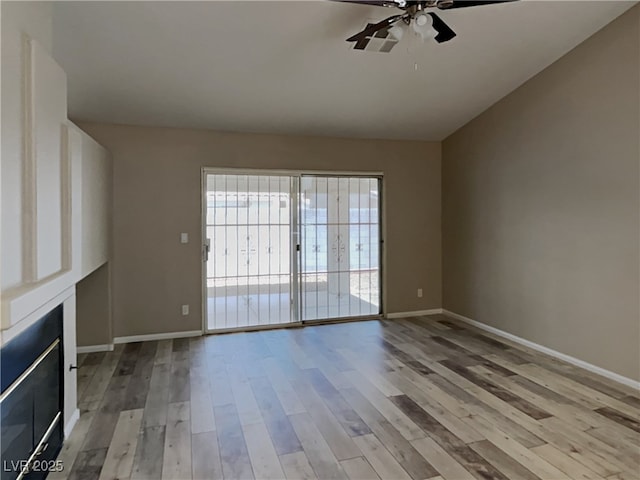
pixel 95 348
pixel 295 227
pixel 68 428
pixel 277 172
pixel 419 313
pixel 158 336
pixel 28 307
pixel 541 348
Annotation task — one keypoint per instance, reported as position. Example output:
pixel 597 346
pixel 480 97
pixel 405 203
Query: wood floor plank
pixel 406 455
pixel 386 407
pixel 93 358
pixel 296 466
pixel 72 446
pixel 620 439
pixel 220 387
pixel 632 400
pixel 157 402
pixel 372 375
pixel 181 344
pixel 423 397
pixel 335 435
pixel 359 469
pixel 350 420
pixel 119 459
pixel 453 445
pixel 138 388
pixel 447 466
pixel 205 456
pixel 517 402
pixel 289 399
pixel 234 455
pixel 615 457
pixel 623 476
pixel 128 359
pixel 324 463
pixel 473 407
pixel 484 404
pixel 277 422
pixel 244 398
pixel 202 419
pixel 502 461
pixel 521 454
pixel 148 461
pixel 176 463
pixel 565 463
pixel 163 352
pixel 621 418
pixel 433 401
pixel 86 371
pixel 101 431
pixel 579 451
pixel 102 376
pixel 180 383
pixel 380 458
pixel 262 453
pixel 88 464
pixel 581 418
pixel 580 393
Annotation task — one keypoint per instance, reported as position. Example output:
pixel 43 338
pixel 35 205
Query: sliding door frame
pixel 296 176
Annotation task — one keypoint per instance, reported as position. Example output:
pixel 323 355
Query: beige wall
pixel 93 309
pixel 541 206
pixel 157 175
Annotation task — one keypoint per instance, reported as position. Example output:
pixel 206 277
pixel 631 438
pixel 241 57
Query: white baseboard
pixel 157 336
pixel 541 348
pixel 95 348
pixel 68 428
pixel 418 313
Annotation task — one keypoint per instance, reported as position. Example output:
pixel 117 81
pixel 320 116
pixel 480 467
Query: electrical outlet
pixel 185 309
pixel 419 293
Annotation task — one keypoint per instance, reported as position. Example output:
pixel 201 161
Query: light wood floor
pixel 401 399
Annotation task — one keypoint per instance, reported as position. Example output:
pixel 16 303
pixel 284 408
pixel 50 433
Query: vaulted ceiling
pixel 284 67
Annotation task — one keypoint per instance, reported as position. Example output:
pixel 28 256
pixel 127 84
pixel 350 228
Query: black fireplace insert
pixel 31 400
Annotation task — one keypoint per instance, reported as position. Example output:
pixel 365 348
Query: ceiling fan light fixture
pixel 422 19
pixel 422 25
pixel 397 31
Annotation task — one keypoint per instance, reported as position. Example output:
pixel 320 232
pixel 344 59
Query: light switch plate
pixel 184 238
pixel 185 309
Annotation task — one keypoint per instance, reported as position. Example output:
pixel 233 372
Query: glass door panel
pixel 248 270
pixel 340 255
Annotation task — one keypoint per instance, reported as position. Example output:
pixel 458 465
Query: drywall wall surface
pixel 157 196
pixel 541 206
pixel 93 309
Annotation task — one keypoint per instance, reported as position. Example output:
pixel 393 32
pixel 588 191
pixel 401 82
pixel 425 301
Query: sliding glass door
pixel 248 231
pixel 340 260
pixel 290 248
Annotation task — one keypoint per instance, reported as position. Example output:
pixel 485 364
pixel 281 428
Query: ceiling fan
pixel 425 24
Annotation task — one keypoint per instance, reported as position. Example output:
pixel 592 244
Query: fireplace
pixel 31 400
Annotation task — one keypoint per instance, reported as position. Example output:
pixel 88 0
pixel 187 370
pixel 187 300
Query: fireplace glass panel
pixel 17 428
pixel 27 413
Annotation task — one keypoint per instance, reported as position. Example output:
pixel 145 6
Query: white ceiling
pixel 284 67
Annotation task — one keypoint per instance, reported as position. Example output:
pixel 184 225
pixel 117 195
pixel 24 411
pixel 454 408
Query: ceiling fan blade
pixel 447 5
pixel 376 3
pixel 373 28
pixel 444 31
